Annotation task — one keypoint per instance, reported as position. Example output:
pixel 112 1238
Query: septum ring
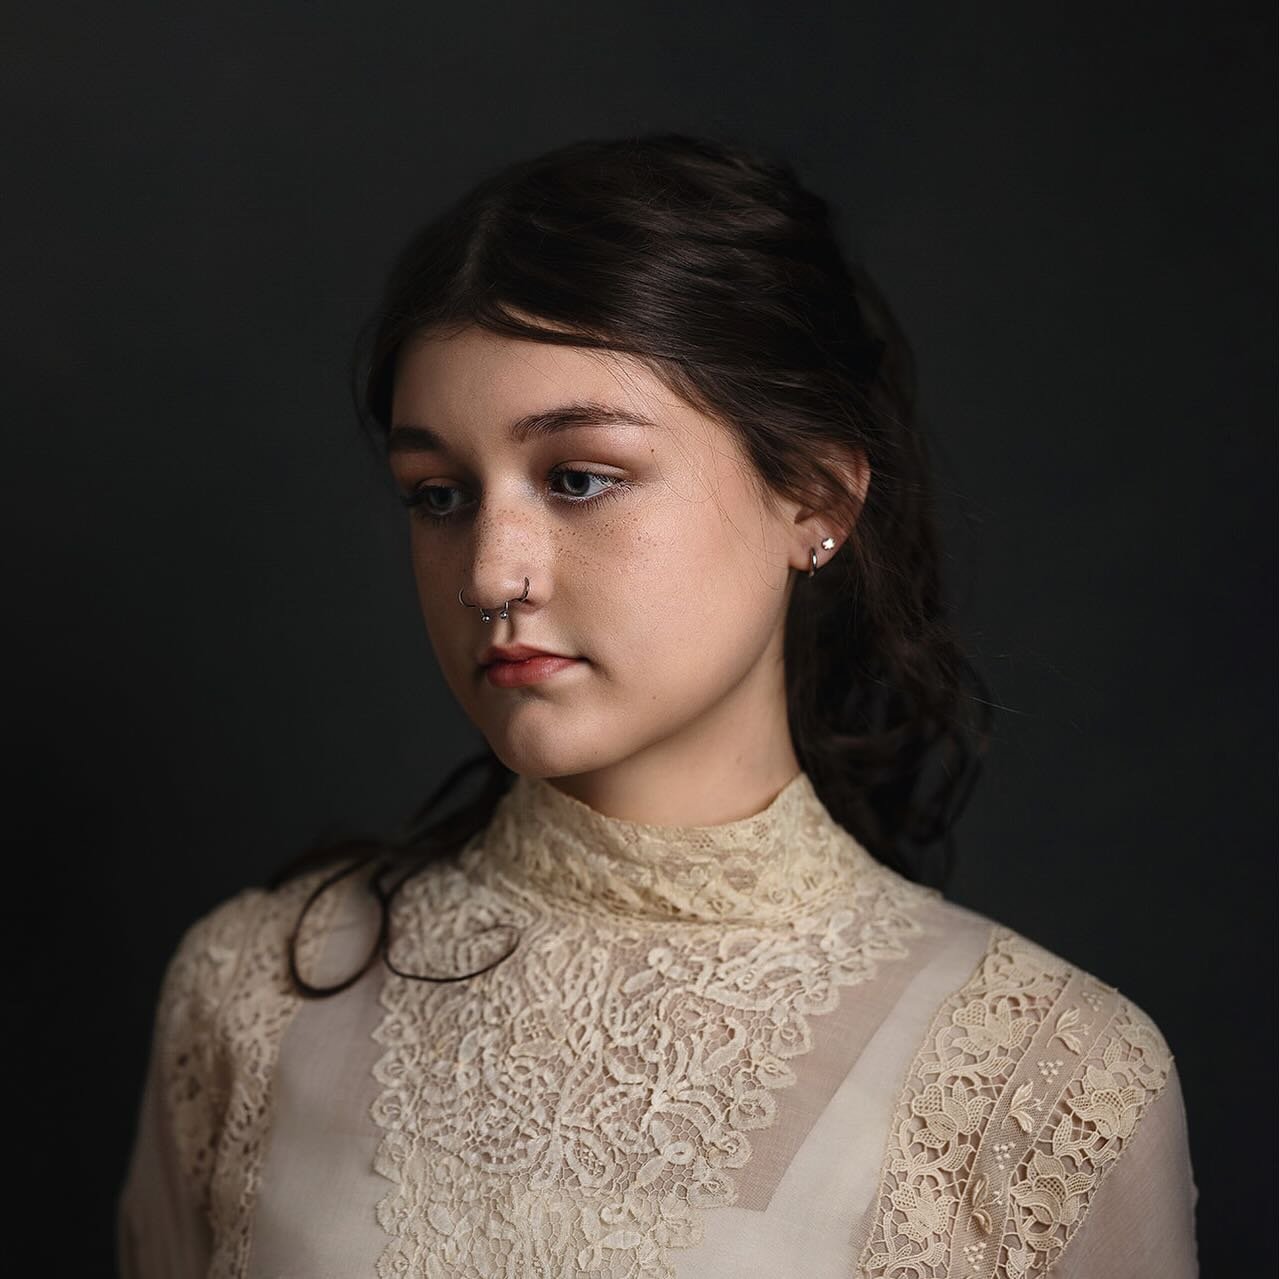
pixel 486 615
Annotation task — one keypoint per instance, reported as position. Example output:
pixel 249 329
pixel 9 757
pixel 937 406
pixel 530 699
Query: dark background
pixel 217 650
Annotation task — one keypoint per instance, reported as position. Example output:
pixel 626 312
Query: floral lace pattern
pixel 225 1003
pixel 576 1109
pixel 1030 1082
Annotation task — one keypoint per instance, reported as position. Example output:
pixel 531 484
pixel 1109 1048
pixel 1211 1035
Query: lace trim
pixel 577 1108
pixel 1026 1091
pixel 224 1006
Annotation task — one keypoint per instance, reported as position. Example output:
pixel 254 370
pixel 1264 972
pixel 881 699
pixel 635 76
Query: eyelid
pixel 585 468
pixel 614 486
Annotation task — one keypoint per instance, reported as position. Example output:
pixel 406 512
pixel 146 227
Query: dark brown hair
pixel 723 274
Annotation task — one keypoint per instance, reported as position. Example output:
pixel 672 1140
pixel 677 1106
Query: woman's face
pixel 652 562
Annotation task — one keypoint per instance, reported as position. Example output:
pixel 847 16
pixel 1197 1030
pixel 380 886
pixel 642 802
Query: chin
pixel 546 741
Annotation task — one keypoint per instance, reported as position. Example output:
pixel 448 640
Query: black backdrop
pixel 215 647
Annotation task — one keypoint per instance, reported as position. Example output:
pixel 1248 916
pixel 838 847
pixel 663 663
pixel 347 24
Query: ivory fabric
pixel 744 1049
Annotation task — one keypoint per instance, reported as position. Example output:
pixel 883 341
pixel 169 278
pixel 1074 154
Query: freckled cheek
pixel 647 604
pixel 630 550
pixel 613 587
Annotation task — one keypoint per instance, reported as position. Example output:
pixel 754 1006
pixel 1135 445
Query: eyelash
pixel 416 501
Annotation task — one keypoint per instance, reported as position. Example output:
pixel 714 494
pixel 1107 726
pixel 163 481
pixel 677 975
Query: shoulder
pixel 206 962
pixel 1028 996
pixel 203 963
pixel 1022 989
pixel 225 999
pixel 1028 1086
pixel 209 961
pixel 228 980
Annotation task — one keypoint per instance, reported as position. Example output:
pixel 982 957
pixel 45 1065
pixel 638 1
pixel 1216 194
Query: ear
pixel 825 530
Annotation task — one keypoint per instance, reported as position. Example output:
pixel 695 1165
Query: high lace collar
pixel 784 860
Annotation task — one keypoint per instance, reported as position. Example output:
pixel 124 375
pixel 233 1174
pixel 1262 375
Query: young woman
pixel 669 996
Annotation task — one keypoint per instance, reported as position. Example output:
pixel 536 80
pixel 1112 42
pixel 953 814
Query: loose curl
pixel 721 273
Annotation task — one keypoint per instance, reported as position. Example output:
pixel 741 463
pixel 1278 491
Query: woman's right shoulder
pixel 243 937
pixel 226 997
pixel 203 962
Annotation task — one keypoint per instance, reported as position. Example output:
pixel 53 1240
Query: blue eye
pixel 418 500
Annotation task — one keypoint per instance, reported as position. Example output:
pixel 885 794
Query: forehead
pixel 477 380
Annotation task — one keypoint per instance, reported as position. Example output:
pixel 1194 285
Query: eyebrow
pixel 411 438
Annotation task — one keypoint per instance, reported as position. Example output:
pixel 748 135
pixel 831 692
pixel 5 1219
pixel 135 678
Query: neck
pixel 710 797
pixel 729 764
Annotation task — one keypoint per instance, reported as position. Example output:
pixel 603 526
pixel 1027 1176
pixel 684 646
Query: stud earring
pixel 827 544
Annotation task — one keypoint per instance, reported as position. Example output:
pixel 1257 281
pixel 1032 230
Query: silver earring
pixel 486 614
pixel 827 544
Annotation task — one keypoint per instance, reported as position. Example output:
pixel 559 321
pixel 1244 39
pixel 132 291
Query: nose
pixel 504 559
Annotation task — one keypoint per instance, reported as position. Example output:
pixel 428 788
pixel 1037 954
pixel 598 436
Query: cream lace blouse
pixel 745 1049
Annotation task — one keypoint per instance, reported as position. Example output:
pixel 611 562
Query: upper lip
pixel 513 653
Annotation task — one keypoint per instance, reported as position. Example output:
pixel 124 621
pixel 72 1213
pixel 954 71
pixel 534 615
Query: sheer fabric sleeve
pixel 163 1226
pixel 1141 1224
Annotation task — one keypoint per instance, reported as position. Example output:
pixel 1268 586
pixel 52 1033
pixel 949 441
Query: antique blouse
pixel 717 1051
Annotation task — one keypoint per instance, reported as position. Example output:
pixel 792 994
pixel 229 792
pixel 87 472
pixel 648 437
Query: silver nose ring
pixel 486 614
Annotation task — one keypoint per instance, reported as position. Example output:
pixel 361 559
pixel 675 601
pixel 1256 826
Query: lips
pixel 514 653
pixel 528 670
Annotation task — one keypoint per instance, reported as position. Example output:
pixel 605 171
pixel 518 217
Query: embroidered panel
pixel 1026 1090
pixel 577 1108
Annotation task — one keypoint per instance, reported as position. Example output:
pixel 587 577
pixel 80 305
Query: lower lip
pixel 532 670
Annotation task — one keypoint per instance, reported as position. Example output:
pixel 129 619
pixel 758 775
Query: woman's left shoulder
pixel 1030 1084
pixel 1061 1050
pixel 1050 1003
